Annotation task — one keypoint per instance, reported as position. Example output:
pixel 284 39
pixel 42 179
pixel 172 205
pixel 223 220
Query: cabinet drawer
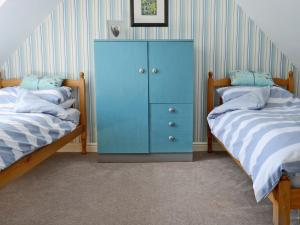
pixel 171 128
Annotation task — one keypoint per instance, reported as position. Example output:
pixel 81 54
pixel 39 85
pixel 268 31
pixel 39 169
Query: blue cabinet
pixel 144 93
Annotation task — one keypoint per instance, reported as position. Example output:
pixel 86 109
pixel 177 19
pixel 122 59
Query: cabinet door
pixel 122 96
pixel 171 72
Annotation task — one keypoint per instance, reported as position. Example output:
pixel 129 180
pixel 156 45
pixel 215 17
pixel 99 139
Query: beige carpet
pixel 70 189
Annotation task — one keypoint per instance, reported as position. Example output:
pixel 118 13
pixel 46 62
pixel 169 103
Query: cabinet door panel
pixel 171 72
pixel 122 97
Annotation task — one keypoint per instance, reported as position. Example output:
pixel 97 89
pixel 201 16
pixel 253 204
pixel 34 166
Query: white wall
pixel 18 19
pixel 280 20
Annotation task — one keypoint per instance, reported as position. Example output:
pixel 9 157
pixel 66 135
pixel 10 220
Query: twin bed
pixel 260 129
pixel 51 131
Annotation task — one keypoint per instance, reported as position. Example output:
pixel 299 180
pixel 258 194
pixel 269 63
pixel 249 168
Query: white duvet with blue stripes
pixel 28 122
pixel 261 128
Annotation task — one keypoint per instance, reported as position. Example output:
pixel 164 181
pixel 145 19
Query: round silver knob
pixel 171 124
pixel 171 110
pixel 172 138
pixel 141 71
pixel 154 70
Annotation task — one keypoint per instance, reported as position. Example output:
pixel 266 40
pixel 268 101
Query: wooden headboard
pixel 79 84
pixel 212 84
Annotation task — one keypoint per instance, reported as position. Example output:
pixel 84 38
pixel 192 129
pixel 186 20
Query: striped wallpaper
pixel 225 39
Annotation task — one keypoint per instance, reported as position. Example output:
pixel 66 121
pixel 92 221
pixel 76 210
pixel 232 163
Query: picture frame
pixel 116 29
pixel 149 13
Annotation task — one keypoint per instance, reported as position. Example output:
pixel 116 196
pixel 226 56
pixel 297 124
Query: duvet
pixel 261 128
pixel 28 122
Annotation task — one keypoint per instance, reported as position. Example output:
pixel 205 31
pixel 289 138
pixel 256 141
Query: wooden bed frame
pixel 28 162
pixel 284 197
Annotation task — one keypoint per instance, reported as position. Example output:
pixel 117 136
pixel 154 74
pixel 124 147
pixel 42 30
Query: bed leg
pixel 209 141
pixel 83 138
pixel 281 207
pixel 210 106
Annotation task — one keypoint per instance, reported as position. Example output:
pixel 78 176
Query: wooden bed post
pixel 282 203
pixel 290 80
pixel 210 106
pixel 83 120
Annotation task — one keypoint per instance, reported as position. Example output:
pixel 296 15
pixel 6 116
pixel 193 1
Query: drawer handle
pixel 171 110
pixel 171 124
pixel 172 138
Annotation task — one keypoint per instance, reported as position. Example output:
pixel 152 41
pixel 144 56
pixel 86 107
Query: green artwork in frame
pixel 149 7
pixel 149 13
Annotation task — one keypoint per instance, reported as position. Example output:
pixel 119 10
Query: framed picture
pixel 116 29
pixel 149 13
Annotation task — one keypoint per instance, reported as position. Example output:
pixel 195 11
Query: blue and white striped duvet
pixel 28 122
pixel 265 139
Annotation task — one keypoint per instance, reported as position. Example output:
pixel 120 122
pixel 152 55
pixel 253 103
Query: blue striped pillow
pixel 232 92
pixel 56 95
pixel 8 97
